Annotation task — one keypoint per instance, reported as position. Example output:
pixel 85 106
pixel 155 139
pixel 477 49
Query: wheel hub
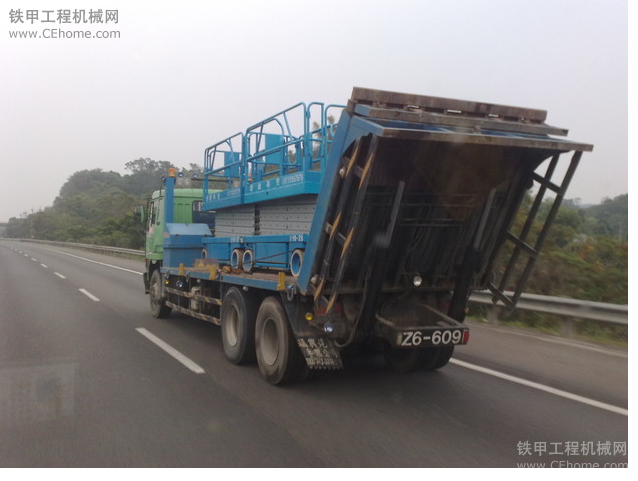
pixel 270 342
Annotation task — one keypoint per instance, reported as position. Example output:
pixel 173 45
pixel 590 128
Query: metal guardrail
pixel 563 306
pixel 92 247
pixel 568 309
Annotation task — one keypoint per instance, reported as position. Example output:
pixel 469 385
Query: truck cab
pixel 187 209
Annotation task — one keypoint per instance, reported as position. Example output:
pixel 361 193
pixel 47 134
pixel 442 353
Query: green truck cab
pixel 187 209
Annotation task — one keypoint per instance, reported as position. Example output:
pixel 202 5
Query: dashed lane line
pixel 193 366
pixel 89 295
pixel 170 350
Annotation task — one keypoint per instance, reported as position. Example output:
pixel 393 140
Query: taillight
pixel 466 336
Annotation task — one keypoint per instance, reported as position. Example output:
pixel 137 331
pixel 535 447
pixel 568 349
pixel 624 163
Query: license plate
pixel 433 337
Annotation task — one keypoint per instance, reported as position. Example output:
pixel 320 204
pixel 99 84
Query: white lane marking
pixel 44 265
pixel 542 387
pixel 96 262
pixel 89 295
pixel 34 260
pixel 170 350
pixel 25 255
pixel 59 275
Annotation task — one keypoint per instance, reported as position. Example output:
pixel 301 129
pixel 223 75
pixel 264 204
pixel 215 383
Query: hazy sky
pixel 186 74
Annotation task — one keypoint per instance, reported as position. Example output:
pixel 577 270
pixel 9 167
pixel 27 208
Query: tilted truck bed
pixel 428 187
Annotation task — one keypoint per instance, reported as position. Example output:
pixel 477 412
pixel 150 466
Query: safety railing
pixel 296 139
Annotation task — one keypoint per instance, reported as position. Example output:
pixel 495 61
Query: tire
pixel 158 307
pixel 443 357
pixel 238 327
pixel 278 355
pixel 410 360
pixel 424 359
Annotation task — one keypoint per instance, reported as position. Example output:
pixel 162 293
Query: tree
pixel 145 175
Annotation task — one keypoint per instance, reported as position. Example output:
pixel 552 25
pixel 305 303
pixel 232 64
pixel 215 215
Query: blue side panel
pixel 270 162
pixel 298 183
pixel 269 251
pixel 220 252
pixel 183 243
pixel 343 138
pixel 224 198
pixel 278 157
pixel 275 251
pixel 348 130
pixel 169 204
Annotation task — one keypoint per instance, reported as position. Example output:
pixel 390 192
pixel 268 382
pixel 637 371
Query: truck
pixel 312 237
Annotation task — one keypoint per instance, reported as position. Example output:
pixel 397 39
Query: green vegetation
pixel 586 253
pixel 96 207
pixel 585 256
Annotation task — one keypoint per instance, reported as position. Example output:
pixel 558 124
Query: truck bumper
pixel 410 324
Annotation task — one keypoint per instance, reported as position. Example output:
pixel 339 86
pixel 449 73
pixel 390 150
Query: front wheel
pixel 279 358
pixel 158 307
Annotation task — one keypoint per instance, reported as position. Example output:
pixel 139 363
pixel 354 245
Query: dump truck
pixel 324 236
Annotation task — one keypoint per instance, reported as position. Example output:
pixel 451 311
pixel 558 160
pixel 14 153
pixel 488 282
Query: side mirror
pixel 140 214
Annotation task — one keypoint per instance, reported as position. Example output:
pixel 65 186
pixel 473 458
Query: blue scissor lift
pixel 273 172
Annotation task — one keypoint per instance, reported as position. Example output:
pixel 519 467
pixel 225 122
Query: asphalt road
pixel 83 384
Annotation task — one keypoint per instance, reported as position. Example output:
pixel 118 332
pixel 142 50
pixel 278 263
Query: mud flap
pixel 147 282
pixel 319 351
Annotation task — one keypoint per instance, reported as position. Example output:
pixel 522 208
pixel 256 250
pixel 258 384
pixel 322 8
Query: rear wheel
pixel 423 359
pixel 278 355
pixel 158 307
pixel 443 357
pixel 410 360
pixel 238 327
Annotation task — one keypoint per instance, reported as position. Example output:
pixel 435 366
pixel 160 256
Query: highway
pixel 88 378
